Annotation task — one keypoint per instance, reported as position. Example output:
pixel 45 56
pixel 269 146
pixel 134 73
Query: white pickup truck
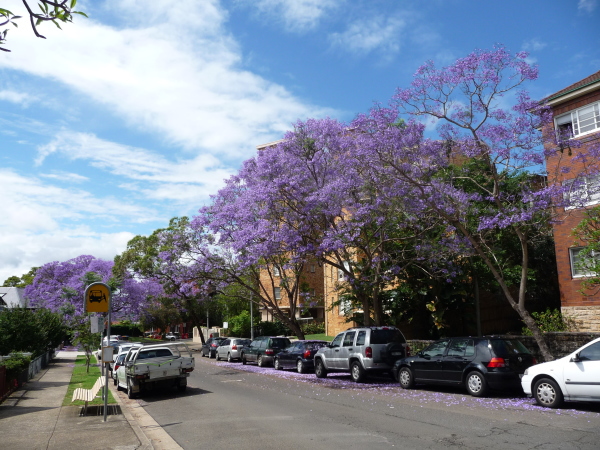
pixel 149 366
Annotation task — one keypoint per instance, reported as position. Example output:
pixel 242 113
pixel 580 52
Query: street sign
pixel 97 298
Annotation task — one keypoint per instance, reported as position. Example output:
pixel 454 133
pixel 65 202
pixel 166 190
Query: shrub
pixel 15 364
pixel 551 320
pixel 313 328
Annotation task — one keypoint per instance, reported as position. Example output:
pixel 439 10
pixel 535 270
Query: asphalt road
pixel 230 406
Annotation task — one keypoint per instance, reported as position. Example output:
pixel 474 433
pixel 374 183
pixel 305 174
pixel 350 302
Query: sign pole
pixel 106 369
pixel 97 299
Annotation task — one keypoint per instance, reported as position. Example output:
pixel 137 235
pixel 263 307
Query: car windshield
pixel 387 335
pixel 506 347
pixel 315 345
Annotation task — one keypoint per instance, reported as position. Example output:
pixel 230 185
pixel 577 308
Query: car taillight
pixel 188 370
pixel 116 366
pixel 306 354
pixel 213 345
pixel 534 361
pixel 234 347
pixel 368 352
pixel 407 350
pixel 497 362
pixel 269 351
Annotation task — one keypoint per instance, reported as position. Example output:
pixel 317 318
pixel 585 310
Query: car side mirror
pixel 420 354
pixel 575 358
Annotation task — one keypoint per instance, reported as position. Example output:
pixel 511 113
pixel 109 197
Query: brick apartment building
pixel 575 108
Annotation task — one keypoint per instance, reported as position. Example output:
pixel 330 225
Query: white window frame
pixel 587 191
pixel 341 274
pixel 277 293
pixel 276 271
pixel 344 307
pixel 576 120
pixel 573 259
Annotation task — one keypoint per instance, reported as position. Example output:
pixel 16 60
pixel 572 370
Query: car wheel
pixel 300 366
pixel 210 355
pixel 320 370
pixel 276 364
pixel 218 357
pixel 476 384
pixel 244 359
pixel 357 372
pixel 405 378
pixel 114 381
pixel 181 387
pixel 229 357
pixel 117 384
pixel 259 361
pixel 130 393
pixel 547 393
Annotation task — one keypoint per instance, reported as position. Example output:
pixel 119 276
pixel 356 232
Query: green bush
pixel 313 328
pixel 240 325
pixel 15 364
pixel 274 328
pixel 551 320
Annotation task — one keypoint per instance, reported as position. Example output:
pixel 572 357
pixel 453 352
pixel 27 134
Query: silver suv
pixel 361 351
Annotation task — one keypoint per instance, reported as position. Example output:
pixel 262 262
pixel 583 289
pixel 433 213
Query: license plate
pixel 396 353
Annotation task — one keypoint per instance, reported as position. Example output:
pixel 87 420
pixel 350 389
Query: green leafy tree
pixel 26 330
pixel 54 11
pixel 21 282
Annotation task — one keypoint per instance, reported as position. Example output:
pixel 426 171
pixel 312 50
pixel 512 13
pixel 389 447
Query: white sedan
pixel 576 377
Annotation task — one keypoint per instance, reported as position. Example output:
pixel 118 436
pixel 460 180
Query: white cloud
pixel 296 15
pixel 65 176
pixel 587 6
pixel 23 249
pixel 189 179
pixel 20 98
pixel 534 45
pixel 177 72
pixel 367 35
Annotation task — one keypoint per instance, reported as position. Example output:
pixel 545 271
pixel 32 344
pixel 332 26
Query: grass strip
pixel 83 379
pixel 319 337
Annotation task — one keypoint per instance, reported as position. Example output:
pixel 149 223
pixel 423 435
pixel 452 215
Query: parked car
pixel 150 366
pixel 121 348
pixel 478 363
pixel 172 336
pixel 231 348
pixel 299 355
pixel 361 351
pixel 119 361
pixel 575 377
pixel 263 349
pixel 209 348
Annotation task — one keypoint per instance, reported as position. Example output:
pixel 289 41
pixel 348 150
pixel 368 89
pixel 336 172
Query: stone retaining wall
pixel 587 318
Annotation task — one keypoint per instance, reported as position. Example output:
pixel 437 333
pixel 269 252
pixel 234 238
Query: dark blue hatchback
pixel 299 355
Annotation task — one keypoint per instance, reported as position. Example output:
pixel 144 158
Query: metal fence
pixel 35 366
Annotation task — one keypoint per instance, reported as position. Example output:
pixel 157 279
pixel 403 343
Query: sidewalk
pixel 33 418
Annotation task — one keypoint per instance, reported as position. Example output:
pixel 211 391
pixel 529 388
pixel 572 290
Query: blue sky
pixel 121 121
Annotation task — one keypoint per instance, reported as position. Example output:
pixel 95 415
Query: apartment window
pixel 277 293
pixel 312 268
pixel 580 121
pixel 345 306
pixel 276 272
pixel 581 267
pixel 583 191
pixel 341 273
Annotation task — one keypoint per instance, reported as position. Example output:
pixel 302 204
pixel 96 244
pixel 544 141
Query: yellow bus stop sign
pixel 97 298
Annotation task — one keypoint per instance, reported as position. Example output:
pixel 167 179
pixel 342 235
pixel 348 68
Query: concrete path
pixel 33 418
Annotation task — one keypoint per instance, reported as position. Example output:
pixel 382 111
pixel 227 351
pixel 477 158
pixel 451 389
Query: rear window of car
pixel 507 347
pixel 385 336
pixel 244 342
pixel 315 345
pixel 280 342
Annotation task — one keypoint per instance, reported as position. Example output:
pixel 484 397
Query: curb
pixel 148 431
